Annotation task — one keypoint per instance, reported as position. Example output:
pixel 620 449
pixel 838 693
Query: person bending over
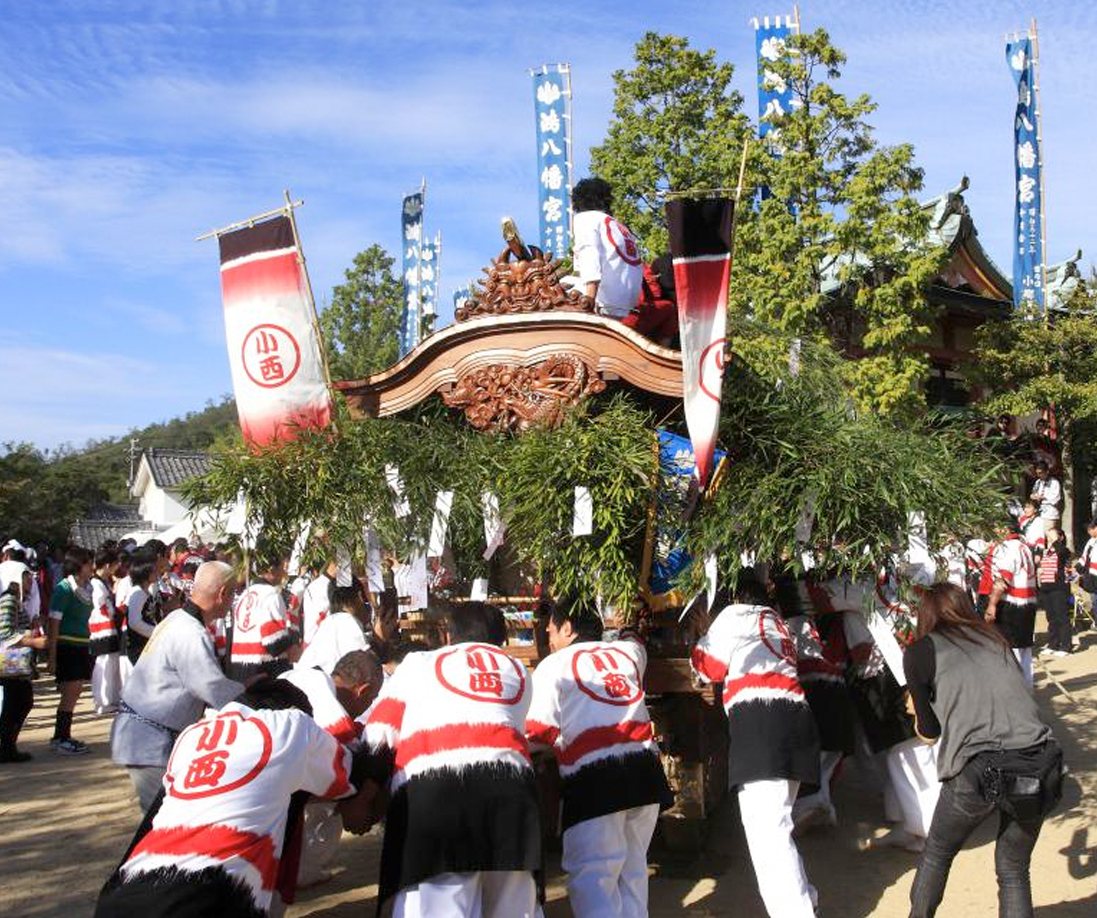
pixel 462 830
pixel 995 752
pixel 773 741
pixel 213 841
pixel 588 707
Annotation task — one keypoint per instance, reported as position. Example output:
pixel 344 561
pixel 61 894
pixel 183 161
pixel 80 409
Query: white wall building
pixel 157 484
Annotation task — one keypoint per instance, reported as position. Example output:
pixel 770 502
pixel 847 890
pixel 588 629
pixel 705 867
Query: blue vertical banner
pixel 430 276
pixel 461 297
pixel 552 111
pixel 774 94
pixel 1028 249
pixel 411 232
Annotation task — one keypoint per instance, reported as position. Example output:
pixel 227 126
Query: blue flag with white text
pixel 551 98
pixel 411 232
pixel 1028 254
pixel 430 274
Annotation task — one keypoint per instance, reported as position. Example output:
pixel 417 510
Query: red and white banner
pixel 700 245
pixel 277 369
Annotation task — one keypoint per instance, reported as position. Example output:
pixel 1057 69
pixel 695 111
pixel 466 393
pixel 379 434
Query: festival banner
pixel 700 246
pixel 677 468
pixel 277 367
pixel 1028 254
pixel 430 276
pixel 461 297
pixel 774 94
pixel 552 110
pixel 411 232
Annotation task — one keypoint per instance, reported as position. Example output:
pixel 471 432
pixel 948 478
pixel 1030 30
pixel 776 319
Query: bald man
pixel 176 678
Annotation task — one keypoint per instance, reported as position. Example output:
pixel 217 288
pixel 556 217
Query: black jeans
pixel 1056 602
pixel 18 700
pixel 960 809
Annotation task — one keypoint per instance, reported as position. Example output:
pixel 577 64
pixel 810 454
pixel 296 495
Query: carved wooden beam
pixel 608 349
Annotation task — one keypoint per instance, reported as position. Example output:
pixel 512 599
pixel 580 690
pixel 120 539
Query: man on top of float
pixel 607 259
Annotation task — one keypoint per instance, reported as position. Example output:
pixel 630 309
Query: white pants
pixel 106 681
pixel 606 860
pixel 1024 657
pixel 486 894
pixel 766 810
pixel 913 787
pixel 828 764
pixel 323 829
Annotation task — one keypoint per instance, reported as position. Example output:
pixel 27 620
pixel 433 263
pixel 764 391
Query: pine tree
pixel 362 325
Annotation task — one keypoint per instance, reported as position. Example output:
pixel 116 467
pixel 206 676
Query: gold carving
pixel 523 286
pixel 507 398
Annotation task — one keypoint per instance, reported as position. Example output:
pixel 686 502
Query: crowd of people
pixel 258 719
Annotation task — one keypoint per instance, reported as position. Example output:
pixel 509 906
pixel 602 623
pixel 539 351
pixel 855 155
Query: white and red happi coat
pixel 215 843
pixel 103 637
pixel 588 706
pixel 449 726
pixel 261 630
pixel 824 682
pixel 327 710
pixel 771 729
pixel 1013 564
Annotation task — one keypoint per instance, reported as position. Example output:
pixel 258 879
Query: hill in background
pixel 43 492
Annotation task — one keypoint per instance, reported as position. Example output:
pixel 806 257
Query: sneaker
pixel 1060 653
pixel 69 747
pixel 819 816
pixel 1045 651
pixel 894 838
pixel 14 755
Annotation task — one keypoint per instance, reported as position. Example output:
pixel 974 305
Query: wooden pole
pixel 1040 162
pixel 251 221
pixel 289 208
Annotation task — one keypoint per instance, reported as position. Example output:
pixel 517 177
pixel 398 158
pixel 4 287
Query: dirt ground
pixel 64 822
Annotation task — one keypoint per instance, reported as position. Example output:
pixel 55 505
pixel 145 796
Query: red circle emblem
pixel 711 368
pixel 481 672
pixel 271 356
pixel 608 675
pixel 218 755
pixel 777 628
pixel 627 250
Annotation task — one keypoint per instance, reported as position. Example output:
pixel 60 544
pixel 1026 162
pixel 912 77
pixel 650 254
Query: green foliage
pixel 795 437
pixel 838 251
pixel 1027 364
pixel 338 482
pixel 42 493
pixel 677 124
pixel 840 248
pixel 361 327
pixel 787 437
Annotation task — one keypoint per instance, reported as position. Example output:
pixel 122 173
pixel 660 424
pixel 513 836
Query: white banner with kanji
pixel 277 368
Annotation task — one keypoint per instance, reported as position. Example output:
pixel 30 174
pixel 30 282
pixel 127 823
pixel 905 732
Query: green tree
pixel 839 250
pixel 362 324
pixel 677 124
pixel 1027 364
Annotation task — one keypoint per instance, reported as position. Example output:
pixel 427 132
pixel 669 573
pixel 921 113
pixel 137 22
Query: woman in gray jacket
pixel 995 752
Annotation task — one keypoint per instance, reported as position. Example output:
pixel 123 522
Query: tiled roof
pixel 106 521
pixel 101 513
pixel 93 533
pixel 171 467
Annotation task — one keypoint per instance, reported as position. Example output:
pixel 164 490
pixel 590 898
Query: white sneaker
pixel 69 747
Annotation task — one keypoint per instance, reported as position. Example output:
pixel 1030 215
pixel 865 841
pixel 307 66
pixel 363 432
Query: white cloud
pixel 54 395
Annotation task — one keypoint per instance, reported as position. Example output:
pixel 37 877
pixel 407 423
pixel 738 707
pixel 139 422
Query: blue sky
pixel 127 128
